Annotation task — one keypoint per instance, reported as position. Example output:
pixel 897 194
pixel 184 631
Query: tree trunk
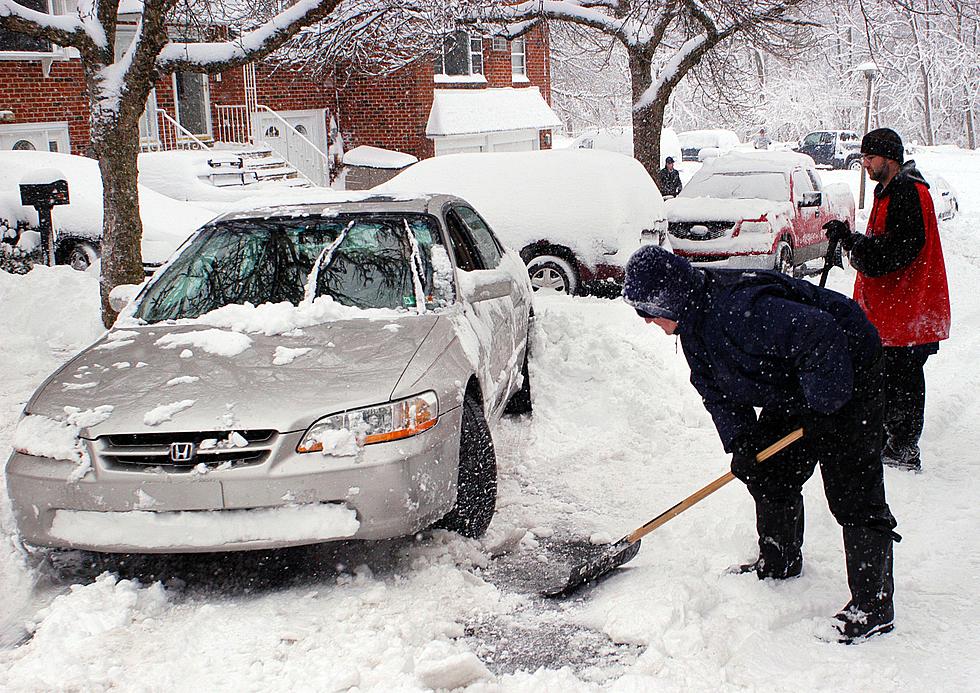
pixel 647 121
pixel 116 145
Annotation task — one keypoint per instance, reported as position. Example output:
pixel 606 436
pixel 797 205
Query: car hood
pixel 195 377
pixel 712 209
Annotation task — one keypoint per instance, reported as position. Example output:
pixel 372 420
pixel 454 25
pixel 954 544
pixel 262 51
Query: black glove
pixel 744 450
pixel 840 232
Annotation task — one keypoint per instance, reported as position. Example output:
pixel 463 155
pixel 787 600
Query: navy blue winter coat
pixel 755 338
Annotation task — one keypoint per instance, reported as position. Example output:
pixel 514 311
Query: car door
pixel 809 219
pixel 500 323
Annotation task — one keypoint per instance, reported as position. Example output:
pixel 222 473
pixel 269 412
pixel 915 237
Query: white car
pixel 712 142
pixel 574 215
pixel 78 225
pixel 944 198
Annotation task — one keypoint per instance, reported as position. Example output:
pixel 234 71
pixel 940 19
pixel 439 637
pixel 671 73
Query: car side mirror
pixel 123 295
pixel 484 285
pixel 813 198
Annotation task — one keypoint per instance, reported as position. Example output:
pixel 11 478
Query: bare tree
pixel 663 41
pixel 122 62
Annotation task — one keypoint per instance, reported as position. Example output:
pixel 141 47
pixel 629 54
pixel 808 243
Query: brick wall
pixel 34 98
pixel 391 111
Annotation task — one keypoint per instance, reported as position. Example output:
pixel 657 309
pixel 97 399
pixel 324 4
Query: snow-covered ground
pixel 617 436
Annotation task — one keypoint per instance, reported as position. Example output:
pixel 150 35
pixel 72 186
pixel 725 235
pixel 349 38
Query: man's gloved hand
pixel 744 450
pixel 840 231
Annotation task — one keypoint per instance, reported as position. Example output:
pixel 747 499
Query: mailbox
pixel 40 195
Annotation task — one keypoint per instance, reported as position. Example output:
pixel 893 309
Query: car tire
pixel 81 256
pixel 784 258
pixel 854 164
pixel 520 401
pixel 552 272
pixel 476 481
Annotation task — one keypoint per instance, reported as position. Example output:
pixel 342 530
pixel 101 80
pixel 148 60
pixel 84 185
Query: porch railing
pixel 173 135
pixel 309 160
pixel 234 124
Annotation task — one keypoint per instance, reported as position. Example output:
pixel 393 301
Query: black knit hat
pixel 884 142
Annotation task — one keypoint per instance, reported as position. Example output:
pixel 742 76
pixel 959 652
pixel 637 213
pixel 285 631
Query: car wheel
pixel 476 481
pixel 784 258
pixel 552 272
pixel 854 165
pixel 81 256
pixel 520 401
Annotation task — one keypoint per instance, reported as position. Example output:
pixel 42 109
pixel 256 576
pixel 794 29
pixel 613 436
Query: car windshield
pixel 739 185
pixel 362 260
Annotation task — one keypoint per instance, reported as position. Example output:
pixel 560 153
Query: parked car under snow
pixel 78 225
pixel 574 215
pixel 293 375
pixel 759 210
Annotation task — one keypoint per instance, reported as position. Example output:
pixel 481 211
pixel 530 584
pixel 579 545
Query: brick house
pixel 43 104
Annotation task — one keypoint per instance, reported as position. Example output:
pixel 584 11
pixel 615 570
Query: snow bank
pixel 375 157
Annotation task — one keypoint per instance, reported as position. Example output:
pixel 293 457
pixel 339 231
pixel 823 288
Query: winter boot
pixel 780 527
pixel 871 611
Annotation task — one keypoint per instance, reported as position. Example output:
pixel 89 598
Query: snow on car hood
pixel 711 209
pixel 193 377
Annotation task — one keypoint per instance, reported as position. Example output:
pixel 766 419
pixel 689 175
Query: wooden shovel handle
pixel 697 496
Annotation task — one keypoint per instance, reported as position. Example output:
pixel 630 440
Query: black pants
pixel 905 398
pixel 849 455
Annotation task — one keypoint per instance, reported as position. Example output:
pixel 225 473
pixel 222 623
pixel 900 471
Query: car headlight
pixel 656 235
pixel 377 424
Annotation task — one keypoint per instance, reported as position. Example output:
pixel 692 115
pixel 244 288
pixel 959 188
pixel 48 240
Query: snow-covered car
pixel 78 225
pixel 760 209
pixel 834 148
pixel 718 141
pixel 620 139
pixel 574 215
pixel 294 375
pixel 944 198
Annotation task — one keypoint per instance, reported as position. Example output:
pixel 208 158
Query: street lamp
pixel 870 71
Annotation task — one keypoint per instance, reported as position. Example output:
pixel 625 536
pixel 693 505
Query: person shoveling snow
pixel 809 358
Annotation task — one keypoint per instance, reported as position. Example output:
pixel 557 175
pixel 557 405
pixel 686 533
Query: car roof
pixel 344 203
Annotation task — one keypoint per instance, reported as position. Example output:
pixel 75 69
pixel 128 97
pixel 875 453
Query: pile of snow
pixel 698 139
pixel 166 222
pixel 591 201
pixel 375 157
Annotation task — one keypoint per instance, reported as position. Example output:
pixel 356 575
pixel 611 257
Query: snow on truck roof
pixel 768 161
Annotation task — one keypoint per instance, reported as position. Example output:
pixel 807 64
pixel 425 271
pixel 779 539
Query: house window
pixel 13 42
pixel 518 58
pixel 461 54
pixel 499 43
pixel 24 146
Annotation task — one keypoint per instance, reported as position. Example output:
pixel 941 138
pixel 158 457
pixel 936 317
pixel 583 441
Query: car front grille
pixel 699 230
pixel 182 451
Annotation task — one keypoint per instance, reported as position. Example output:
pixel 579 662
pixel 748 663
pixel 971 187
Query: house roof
pixel 476 111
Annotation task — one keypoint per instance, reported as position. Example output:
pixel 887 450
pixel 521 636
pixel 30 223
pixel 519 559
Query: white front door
pixel 301 140
pixel 41 137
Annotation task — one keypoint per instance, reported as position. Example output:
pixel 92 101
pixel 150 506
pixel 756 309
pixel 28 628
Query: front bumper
pixel 391 489
pixel 748 250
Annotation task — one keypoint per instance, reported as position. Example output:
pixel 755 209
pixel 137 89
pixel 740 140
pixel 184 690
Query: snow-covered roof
pixel 475 111
pixel 375 157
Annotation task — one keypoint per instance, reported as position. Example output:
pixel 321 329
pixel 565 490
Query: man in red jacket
pixel 901 284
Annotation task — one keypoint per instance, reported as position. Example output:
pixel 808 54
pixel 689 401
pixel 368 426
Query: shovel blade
pixel 614 556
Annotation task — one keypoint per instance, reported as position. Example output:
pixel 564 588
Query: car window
pixel 365 261
pixel 801 184
pixel 739 185
pixel 466 257
pixel 486 245
pixel 812 138
pixel 813 179
pixel 826 137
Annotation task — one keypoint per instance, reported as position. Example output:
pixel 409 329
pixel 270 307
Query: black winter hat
pixel 658 283
pixel 669 160
pixel 884 142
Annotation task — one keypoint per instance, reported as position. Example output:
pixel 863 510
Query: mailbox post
pixel 44 190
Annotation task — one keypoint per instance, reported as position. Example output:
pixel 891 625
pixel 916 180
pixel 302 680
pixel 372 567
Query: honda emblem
pixel 182 452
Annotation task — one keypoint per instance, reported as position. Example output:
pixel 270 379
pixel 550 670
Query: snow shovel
pixel 626 548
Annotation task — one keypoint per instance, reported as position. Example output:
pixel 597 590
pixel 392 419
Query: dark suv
pixel 834 148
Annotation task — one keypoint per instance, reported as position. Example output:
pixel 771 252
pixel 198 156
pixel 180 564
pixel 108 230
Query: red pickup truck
pixel 762 210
